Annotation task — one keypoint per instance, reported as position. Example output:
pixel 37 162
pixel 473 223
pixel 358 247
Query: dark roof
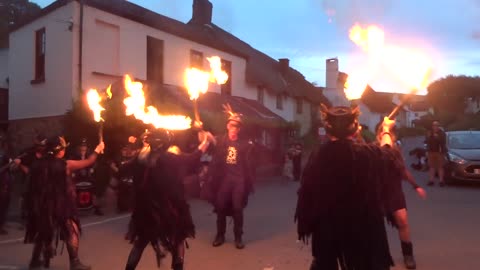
pixel 261 69
pixel 378 102
pixel 208 102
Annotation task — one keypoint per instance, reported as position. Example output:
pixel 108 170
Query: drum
pixel 84 195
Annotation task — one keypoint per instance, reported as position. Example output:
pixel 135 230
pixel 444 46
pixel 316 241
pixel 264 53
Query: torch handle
pixel 195 110
pixel 100 133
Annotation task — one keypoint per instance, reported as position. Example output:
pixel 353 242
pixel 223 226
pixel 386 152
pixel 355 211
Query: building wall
pixel 53 96
pixel 3 68
pixel 123 46
pixel 304 118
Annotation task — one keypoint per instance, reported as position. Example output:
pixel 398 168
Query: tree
pixel 450 93
pixel 13 12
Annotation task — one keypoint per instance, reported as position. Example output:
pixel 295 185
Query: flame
pixel 109 91
pixel 217 74
pixel 93 100
pixel 196 80
pixel 355 86
pixel 410 67
pixel 135 105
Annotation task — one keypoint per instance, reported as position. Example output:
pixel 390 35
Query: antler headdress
pixel 232 116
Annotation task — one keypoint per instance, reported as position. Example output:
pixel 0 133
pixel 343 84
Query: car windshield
pixel 464 141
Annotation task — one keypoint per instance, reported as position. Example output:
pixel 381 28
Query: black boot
pixel 238 228
pixel 221 228
pixel 35 262
pixel 219 240
pixel 239 242
pixel 135 254
pixel 76 264
pixel 72 247
pixel 408 258
pixel 177 263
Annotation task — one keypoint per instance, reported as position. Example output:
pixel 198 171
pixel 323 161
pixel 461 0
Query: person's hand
pixel 198 124
pixel 387 124
pixel 100 147
pixel 210 137
pixel 421 192
pixel 17 161
pixel 132 139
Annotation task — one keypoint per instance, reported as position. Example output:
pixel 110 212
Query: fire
pixel 409 66
pixel 355 86
pixel 217 74
pixel 109 91
pixel 93 100
pixel 135 105
pixel 197 81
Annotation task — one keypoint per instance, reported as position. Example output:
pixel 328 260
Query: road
pixel 444 229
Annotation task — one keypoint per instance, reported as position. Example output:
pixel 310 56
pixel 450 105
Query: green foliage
pixel 448 94
pixel 467 122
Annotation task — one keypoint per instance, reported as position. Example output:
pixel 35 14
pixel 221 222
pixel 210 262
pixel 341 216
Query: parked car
pixel 463 157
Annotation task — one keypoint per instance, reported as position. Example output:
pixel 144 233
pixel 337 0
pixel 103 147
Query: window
pixel 196 59
pixel 107 46
pixel 154 59
pixel 280 102
pixel 260 94
pixel 226 88
pixel 299 105
pixel 40 40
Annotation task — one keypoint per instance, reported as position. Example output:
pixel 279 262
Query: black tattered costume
pixel 342 203
pixel 161 212
pixel 51 210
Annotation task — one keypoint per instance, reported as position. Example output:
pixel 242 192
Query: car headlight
pixel 455 158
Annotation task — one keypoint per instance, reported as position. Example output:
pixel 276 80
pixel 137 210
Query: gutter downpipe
pixel 80 52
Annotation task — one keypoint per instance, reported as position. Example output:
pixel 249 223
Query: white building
pixel 70 47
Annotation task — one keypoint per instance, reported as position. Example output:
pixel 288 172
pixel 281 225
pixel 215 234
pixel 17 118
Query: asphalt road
pixel 444 230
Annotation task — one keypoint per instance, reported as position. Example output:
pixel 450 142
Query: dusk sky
pixel 310 31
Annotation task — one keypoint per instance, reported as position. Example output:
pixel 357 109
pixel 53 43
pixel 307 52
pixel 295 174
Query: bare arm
pixel 73 165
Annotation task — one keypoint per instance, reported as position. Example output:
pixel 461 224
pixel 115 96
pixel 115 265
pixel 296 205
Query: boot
pixel 77 265
pixel 221 228
pixel 239 242
pixel 36 263
pixel 408 258
pixel 177 262
pixel 219 240
pixel 238 228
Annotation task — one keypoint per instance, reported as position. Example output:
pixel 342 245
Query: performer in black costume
pixel 342 196
pixel 51 209
pixel 232 177
pixel 5 182
pixel 161 212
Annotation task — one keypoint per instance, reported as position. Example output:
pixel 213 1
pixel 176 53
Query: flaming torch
pixel 410 67
pixel 135 105
pixel 93 100
pixel 196 80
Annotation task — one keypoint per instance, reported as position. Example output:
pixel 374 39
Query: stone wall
pixel 22 132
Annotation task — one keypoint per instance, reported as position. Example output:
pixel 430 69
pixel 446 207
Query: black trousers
pixel 230 201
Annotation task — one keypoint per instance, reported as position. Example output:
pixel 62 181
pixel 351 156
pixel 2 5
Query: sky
pixel 308 32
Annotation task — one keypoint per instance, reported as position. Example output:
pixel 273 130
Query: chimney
pixel 202 12
pixel 284 65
